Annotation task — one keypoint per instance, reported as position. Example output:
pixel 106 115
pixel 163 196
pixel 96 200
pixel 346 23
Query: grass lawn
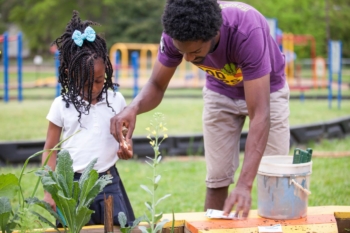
pixel 27 120
pixel 48 92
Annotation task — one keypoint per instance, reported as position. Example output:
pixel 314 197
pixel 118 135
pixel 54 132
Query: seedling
pixel 155 224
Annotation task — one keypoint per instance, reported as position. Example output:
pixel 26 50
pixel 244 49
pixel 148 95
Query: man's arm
pixel 150 97
pixel 152 94
pixel 257 95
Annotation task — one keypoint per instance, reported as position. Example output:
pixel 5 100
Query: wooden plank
pixel 255 222
pixel 324 228
pixel 319 219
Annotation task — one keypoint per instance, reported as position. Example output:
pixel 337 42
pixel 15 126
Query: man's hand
pixel 241 198
pixel 125 118
pixel 49 200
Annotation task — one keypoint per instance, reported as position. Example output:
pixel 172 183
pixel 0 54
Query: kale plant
pixel 73 198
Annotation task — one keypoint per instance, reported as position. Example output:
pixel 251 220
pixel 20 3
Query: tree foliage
pixel 309 17
pixel 140 21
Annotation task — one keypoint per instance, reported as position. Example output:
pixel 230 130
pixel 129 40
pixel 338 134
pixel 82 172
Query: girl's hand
pixel 49 200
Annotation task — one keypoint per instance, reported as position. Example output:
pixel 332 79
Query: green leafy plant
pixel 20 217
pixel 157 127
pixel 73 198
pixel 123 221
pixel 8 188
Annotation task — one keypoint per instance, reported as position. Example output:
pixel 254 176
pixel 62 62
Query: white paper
pixel 218 214
pixel 274 228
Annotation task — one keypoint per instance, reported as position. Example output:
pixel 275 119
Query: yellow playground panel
pixel 186 73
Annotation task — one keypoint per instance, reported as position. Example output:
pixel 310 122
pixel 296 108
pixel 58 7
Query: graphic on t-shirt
pixel 230 74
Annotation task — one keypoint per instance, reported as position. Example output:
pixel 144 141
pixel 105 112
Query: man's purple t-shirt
pixel 246 51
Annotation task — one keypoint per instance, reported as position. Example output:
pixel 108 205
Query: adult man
pixel 231 42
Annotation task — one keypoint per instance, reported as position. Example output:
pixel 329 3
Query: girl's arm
pixel 52 139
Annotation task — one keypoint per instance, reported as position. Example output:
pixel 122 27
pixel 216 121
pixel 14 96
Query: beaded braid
pixel 77 66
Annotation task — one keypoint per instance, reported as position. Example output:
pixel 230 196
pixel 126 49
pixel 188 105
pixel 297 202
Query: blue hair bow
pixel 89 34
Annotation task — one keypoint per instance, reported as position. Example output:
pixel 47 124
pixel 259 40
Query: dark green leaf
pixel 86 173
pixel 83 215
pixel 5 212
pixel 97 188
pixel 5 205
pixel 64 186
pixel 67 207
pixel 65 168
pixel 86 185
pixel 4 219
pixel 76 191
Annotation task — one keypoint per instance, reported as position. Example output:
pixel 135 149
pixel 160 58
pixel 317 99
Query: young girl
pixel 87 104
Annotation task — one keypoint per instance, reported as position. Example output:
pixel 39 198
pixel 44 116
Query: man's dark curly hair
pixel 77 65
pixel 191 20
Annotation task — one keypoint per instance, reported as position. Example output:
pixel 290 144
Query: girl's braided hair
pixel 77 65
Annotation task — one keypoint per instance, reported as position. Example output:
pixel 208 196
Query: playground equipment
pixel 120 52
pixel 5 38
pixel 289 41
pixel 335 66
pixel 125 49
pixel 135 65
pixel 57 64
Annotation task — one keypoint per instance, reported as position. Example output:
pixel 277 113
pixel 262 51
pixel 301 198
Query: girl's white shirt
pixel 94 139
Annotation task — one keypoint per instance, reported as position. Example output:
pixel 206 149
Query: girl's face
pixel 99 80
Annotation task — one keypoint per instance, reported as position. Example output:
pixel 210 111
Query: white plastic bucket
pixel 283 187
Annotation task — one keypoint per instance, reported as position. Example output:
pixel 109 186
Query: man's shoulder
pixel 234 6
pixel 241 17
